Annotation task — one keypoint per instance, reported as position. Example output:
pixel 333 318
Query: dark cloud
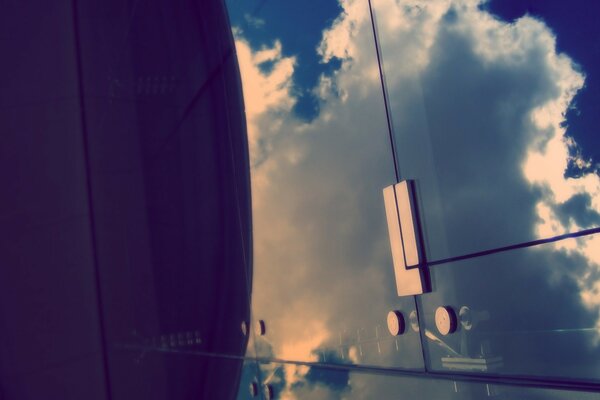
pixel 336 381
pixel 478 128
pixel 574 24
pixel 479 131
pixel 579 209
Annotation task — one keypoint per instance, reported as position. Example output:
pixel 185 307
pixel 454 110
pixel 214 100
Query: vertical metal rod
pixel 384 92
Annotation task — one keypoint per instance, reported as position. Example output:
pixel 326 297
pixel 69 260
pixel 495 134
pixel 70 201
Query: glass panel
pixel 312 382
pixel 169 174
pixel 527 312
pixel 494 117
pixel 323 278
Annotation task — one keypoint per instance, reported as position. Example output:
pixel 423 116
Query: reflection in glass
pixel 523 312
pixel 479 106
pixel 314 382
pixel 323 275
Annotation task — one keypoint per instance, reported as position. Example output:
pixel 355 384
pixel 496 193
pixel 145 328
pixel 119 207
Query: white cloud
pixel 267 94
pixel 483 98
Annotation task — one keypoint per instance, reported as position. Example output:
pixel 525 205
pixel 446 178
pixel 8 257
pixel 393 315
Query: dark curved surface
pixel 125 218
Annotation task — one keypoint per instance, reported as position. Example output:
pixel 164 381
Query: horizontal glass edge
pixel 505 380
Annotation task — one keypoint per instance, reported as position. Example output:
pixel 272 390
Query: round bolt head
pixel 413 319
pixel 445 320
pixel 260 329
pixel 253 389
pixel 395 323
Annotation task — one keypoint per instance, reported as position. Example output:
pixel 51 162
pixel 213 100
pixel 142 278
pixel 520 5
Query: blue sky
pixel 299 27
pixel 575 23
pixel 264 21
pixel 478 106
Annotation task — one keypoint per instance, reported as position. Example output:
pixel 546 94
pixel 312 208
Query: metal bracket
pixel 405 239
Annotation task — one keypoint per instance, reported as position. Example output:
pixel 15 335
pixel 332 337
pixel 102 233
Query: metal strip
pixel 407 224
pixel 406 256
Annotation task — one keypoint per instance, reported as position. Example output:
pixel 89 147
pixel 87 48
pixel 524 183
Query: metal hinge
pixel 405 239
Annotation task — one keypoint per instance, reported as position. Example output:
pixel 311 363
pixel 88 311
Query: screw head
pixel 395 323
pixel 445 320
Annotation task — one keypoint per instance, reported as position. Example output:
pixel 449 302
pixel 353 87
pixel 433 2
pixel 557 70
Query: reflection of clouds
pixel 327 384
pixel 567 203
pixel 267 94
pixel 305 382
pixel 494 92
pixel 362 386
pixel 320 243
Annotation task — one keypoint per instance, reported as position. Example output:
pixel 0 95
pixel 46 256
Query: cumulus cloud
pixel 267 94
pixel 478 107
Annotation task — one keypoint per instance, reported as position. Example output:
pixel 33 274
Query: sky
pixel 574 26
pixel 493 107
pixel 264 22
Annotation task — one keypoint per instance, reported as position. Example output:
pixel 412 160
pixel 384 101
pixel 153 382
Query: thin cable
pixel 384 93
pixel 532 243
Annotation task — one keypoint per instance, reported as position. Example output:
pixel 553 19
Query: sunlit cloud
pixel 321 246
pixel 267 95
